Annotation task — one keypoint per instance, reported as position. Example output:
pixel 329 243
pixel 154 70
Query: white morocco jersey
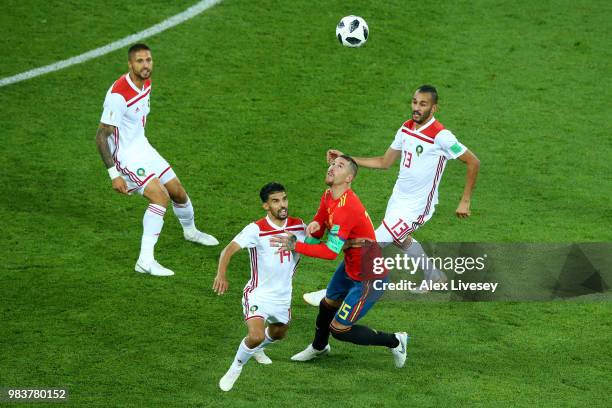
pixel 126 107
pixel 424 155
pixel 271 272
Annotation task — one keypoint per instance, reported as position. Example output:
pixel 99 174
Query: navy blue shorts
pixel 358 296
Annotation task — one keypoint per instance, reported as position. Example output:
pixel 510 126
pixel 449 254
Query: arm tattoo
pixel 104 131
pixel 291 244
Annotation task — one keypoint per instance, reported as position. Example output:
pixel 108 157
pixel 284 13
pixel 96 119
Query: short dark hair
pixel 430 89
pixel 352 164
pixel 137 47
pixel 270 188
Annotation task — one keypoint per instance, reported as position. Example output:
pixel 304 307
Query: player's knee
pixel 255 339
pixel 277 333
pixel 179 195
pixel 160 197
pixel 330 303
pixel 156 193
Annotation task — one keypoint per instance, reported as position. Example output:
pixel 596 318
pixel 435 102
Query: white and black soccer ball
pixel 352 31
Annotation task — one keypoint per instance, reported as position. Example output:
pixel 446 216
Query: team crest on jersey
pixel 419 150
pixel 140 171
pixel 253 308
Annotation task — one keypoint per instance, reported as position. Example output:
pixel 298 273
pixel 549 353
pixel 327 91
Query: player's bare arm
pixel 380 162
pixel 220 284
pixel 104 131
pixel 473 165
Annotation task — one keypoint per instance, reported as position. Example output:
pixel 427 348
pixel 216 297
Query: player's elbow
pixel 474 163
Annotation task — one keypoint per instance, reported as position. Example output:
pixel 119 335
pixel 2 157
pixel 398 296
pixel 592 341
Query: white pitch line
pixel 151 31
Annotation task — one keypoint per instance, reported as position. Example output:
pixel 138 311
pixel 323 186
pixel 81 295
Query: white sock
pixel 152 224
pixel 243 355
pixel 184 213
pixel 267 340
pixel 415 250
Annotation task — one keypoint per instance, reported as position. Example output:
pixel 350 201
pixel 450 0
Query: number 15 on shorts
pixel 344 311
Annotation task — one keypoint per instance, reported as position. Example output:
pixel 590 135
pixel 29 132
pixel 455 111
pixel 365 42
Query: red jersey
pixel 344 218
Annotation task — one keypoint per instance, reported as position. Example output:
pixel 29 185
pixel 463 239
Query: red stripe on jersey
pixel 131 175
pixel 139 98
pixel 254 272
pixel 433 129
pixel 418 133
pixel 276 232
pixel 430 141
pixel 419 221
pixel 123 88
pixel 430 130
pixel 433 188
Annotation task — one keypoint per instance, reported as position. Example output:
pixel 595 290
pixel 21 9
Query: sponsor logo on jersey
pixel 419 150
pixel 140 171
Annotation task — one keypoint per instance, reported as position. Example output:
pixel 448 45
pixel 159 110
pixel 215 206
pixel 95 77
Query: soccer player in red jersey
pixel 354 287
pixel 424 147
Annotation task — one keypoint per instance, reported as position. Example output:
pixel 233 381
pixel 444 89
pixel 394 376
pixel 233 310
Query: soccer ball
pixel 352 31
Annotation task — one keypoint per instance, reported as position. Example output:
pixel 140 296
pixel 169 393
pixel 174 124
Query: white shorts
pixel 140 168
pixel 253 307
pixel 401 220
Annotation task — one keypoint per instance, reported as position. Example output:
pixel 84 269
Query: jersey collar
pixel 274 226
pixel 425 126
pixel 133 85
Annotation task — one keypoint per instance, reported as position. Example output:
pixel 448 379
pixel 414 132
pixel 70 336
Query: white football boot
pixel 314 298
pixel 227 381
pixel 261 357
pixel 200 237
pixel 310 353
pixel 153 268
pixel 399 353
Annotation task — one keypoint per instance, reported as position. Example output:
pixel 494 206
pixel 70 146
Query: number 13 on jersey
pixel 407 159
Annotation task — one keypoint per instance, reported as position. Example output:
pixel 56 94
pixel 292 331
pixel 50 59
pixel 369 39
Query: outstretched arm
pixel 220 285
pixel 473 165
pixel 289 242
pixel 379 162
pixel 104 131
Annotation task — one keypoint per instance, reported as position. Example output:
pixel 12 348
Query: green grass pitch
pixel 249 92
